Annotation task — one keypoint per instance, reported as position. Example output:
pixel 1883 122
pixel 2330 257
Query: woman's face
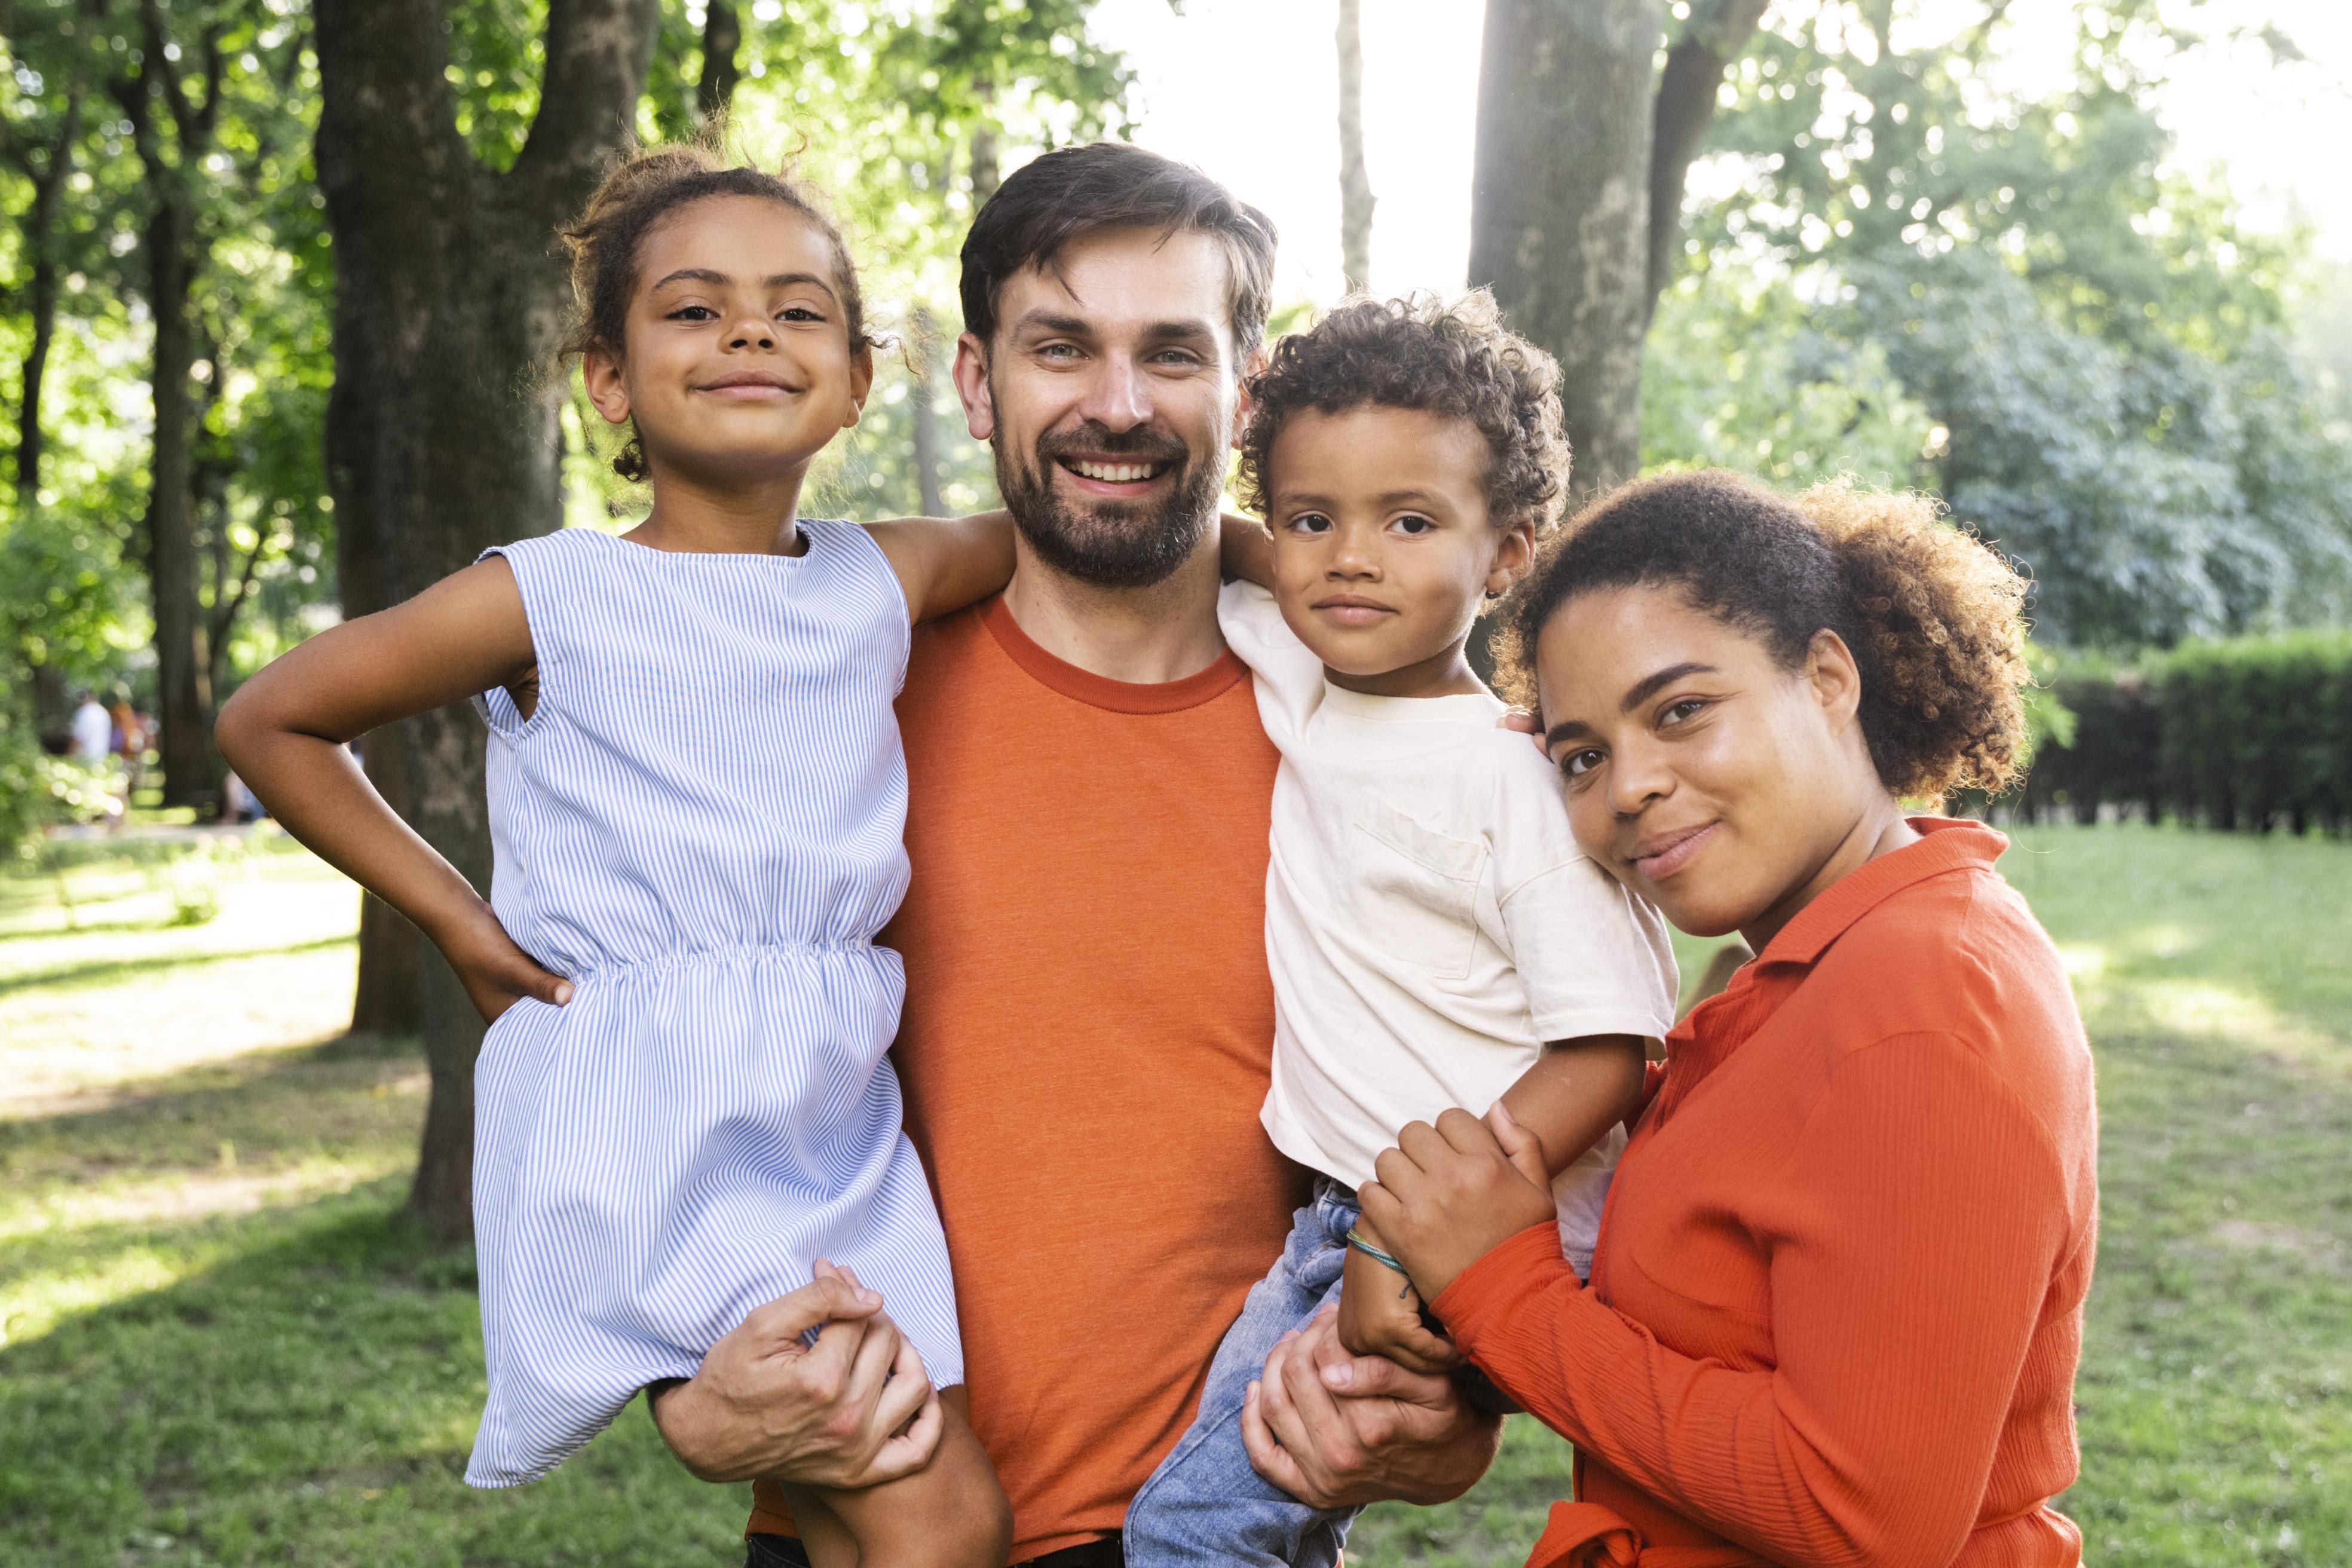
pixel 1705 775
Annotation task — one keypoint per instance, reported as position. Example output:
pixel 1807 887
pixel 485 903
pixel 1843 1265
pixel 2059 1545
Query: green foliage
pixel 2094 353
pixel 2252 734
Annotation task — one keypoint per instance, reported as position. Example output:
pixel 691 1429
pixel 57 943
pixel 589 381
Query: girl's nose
pixel 752 334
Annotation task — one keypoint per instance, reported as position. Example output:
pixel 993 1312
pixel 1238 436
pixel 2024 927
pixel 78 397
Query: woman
pixel 1837 1306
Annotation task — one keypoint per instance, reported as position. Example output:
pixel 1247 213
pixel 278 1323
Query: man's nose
pixel 1117 397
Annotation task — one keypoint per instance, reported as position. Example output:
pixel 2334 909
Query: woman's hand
pixel 855 1409
pixel 1447 1196
pixel 1380 1315
pixel 495 973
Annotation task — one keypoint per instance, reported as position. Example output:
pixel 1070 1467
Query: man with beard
pixel 1088 1023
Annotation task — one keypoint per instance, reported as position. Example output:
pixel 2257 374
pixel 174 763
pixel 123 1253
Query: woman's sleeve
pixel 1912 1240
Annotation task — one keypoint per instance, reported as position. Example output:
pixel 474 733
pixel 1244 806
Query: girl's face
pixel 736 365
pixel 1707 777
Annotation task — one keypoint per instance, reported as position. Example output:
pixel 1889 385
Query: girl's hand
pixel 1379 1314
pixel 1447 1196
pixel 495 973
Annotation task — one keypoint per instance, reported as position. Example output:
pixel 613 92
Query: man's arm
pixel 1339 1431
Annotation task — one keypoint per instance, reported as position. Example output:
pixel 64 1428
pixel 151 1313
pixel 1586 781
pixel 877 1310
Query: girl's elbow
pixel 237 728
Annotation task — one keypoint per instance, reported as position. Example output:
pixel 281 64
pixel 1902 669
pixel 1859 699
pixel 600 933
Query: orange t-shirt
pixel 1087 1037
pixel 1838 1302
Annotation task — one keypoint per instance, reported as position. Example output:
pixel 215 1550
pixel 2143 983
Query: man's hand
pixel 494 972
pixel 1339 1431
pixel 1380 1315
pixel 1447 1196
pixel 854 1409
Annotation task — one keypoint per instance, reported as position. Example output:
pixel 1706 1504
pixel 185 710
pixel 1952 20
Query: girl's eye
pixel 1576 764
pixel 1414 524
pixel 1681 713
pixel 694 313
pixel 800 313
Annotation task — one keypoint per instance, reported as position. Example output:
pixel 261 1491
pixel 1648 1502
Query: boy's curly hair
pixel 1456 359
pixel 638 192
pixel 1934 617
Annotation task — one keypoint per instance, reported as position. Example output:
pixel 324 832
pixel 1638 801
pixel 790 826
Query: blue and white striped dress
pixel 700 825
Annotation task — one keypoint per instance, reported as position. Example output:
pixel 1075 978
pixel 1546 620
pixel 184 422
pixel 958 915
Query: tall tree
pixel 443 431
pixel 1688 88
pixel 1355 185
pixel 1560 221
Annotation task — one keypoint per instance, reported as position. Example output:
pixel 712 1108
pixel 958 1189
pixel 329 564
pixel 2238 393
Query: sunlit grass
pixel 224 1344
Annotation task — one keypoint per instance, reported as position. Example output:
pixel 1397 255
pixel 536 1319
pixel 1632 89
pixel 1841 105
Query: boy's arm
pixel 1576 1091
pixel 945 563
pixel 1246 550
pixel 287 732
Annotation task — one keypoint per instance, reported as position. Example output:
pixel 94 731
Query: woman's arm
pixel 1918 1251
pixel 287 730
pixel 945 563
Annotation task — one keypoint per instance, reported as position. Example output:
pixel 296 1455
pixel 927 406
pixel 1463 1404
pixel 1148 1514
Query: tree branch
pixel 1718 31
pixel 597 52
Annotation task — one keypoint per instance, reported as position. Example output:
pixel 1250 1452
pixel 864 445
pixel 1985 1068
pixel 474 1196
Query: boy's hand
pixel 1447 1196
pixel 1379 1314
pixel 495 973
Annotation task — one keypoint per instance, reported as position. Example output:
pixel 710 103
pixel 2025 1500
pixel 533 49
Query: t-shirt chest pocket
pixel 1416 889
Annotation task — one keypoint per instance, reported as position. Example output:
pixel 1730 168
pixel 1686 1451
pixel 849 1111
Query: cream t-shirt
pixel 1429 920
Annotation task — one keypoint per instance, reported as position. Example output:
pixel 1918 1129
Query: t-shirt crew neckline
pixel 1457 708
pixel 1084 686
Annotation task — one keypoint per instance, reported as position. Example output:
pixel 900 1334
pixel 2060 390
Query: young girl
pixel 696 793
pixel 1435 936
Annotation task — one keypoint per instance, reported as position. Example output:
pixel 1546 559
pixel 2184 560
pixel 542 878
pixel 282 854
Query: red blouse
pixel 1838 1302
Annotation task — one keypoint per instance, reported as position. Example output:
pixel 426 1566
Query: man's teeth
pixel 1113 473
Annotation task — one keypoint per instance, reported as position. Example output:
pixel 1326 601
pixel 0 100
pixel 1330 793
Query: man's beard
pixel 1110 544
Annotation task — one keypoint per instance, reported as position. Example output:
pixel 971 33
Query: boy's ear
pixel 1515 552
pixel 600 372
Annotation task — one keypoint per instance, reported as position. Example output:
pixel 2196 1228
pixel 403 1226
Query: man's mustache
pixel 1092 441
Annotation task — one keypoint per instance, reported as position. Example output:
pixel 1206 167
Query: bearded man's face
pixel 1109 402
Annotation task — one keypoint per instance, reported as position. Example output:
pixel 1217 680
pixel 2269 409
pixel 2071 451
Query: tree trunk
pixel 1355 185
pixel 1718 31
pixel 722 37
pixel 450 303
pixel 1560 221
pixel 922 413
pixel 182 708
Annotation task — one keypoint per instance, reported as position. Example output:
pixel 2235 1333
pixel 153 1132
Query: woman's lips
pixel 1673 852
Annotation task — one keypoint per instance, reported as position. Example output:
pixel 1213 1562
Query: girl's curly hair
pixel 639 192
pixel 1934 617
pixel 1456 359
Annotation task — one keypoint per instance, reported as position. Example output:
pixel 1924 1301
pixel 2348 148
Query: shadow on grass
pixel 311 1398
pixel 108 971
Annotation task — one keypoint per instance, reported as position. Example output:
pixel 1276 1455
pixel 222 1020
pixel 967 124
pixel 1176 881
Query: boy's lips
pixel 1661 854
pixel 1351 610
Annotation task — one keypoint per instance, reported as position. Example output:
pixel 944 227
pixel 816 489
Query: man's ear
pixel 1250 368
pixel 861 382
pixel 600 372
pixel 971 386
pixel 1835 678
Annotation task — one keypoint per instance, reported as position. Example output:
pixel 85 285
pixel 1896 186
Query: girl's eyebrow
pixel 721 279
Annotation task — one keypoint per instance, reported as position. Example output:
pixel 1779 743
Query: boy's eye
pixel 1413 524
pixel 1310 522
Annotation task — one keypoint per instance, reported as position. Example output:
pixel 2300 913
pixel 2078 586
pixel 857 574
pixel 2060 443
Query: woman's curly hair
pixel 1935 619
pixel 1456 359
pixel 639 192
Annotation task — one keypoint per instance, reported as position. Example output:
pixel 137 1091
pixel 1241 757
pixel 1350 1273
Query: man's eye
pixel 1182 359
pixel 1058 351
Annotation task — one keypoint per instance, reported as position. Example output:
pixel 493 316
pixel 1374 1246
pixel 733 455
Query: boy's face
pixel 1384 552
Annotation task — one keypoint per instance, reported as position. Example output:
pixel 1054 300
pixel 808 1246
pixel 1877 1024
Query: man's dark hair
pixel 1074 192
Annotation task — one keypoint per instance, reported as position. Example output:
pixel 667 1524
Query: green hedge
pixel 2250 733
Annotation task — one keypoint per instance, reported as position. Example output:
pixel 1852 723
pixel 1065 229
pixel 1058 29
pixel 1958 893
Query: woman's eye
pixel 1413 524
pixel 1578 764
pixel 1679 712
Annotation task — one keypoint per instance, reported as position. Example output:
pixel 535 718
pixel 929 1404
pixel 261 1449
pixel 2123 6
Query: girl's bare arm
pixel 945 563
pixel 287 729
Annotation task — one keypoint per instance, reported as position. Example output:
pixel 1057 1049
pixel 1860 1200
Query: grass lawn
pixel 221 1344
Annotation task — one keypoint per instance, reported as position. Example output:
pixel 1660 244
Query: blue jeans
pixel 1204 1504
